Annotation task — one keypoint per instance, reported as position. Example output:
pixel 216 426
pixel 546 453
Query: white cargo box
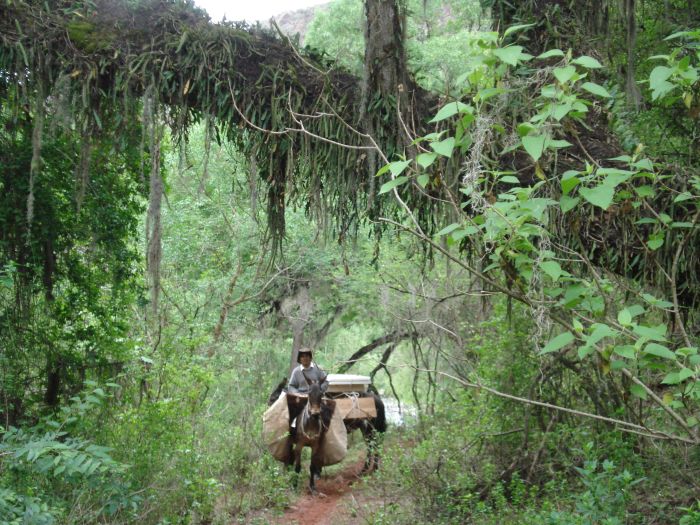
pixel 347 383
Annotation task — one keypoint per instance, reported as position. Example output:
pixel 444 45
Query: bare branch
pixel 392 337
pixel 674 274
pixel 621 425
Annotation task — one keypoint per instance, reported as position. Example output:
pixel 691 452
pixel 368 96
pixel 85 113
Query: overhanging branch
pixel 392 337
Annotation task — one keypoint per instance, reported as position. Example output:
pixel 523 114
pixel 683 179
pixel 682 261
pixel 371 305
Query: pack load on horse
pixel 361 409
pixel 300 415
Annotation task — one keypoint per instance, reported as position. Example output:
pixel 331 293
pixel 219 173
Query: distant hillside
pixel 293 22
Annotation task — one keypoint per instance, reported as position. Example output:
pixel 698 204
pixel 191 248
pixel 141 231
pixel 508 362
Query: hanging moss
pixel 258 92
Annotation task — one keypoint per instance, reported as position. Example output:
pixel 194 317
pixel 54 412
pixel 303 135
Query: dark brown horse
pixel 372 429
pixel 310 429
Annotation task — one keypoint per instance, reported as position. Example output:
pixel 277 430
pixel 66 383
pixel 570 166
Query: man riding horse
pixel 314 421
pixel 298 384
pixel 307 368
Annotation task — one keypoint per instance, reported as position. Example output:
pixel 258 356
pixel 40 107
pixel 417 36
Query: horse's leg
pixel 297 463
pixel 371 436
pixel 374 447
pixel 289 459
pixel 315 468
pixel 297 458
pixel 366 430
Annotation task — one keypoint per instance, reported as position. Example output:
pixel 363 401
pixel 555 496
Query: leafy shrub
pixel 607 491
pixel 691 515
pixel 56 476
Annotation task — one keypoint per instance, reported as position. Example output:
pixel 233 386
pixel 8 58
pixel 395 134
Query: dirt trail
pixel 325 508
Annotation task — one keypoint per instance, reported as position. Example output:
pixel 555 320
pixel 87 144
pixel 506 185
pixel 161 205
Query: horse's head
pixel 315 396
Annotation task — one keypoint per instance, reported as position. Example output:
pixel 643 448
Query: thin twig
pixel 663 405
pixel 470 269
pixel 245 119
pixel 674 272
pixel 295 50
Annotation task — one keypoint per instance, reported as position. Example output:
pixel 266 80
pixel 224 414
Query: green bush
pixel 691 515
pixel 57 476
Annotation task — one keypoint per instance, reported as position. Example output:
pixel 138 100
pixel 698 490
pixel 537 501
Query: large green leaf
pixel 559 144
pixel 584 351
pixel 569 181
pixel 638 391
pixel 596 89
pixel 626 351
pixel 600 331
pixel 636 309
pixel 624 317
pixel 396 168
pixel 659 351
pixel 450 109
pixel 564 74
pixel 559 111
pixel 658 75
pixel 447 229
pixel 567 203
pixel 655 242
pixel 509 179
pixel 444 147
pixel 426 159
pixel 651 333
pixel 511 55
pixel 683 197
pixel 658 82
pixel 515 29
pixel 558 342
pixel 388 186
pixel 487 93
pixel 587 62
pixel 552 268
pixel 614 176
pixel 601 196
pixel 660 303
pixel 551 53
pixel 685 373
pixel 534 145
pixel 678 34
pixel 678 377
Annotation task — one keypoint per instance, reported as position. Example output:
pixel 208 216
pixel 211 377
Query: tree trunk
pixel 297 309
pixel 385 81
pixel 153 220
pixel 634 95
pixel 53 381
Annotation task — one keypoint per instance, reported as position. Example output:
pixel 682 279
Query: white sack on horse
pixel 336 441
pixel 275 431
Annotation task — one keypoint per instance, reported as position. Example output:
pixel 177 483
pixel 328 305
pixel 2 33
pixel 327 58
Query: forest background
pixel 489 208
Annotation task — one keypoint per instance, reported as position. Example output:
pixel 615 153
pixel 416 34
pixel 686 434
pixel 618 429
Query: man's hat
pixel 304 351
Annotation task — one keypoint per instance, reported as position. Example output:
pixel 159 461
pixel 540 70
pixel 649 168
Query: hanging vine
pixel 306 126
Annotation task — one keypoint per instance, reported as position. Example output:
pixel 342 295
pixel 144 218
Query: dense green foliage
pixel 526 290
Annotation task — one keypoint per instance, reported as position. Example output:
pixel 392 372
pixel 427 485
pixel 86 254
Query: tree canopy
pixel 490 208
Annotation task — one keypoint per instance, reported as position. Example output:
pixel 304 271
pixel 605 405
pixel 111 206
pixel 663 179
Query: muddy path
pixel 332 505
